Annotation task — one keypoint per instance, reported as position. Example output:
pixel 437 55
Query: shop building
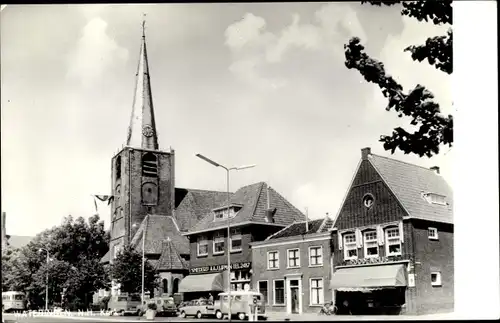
pixel 393 240
pixel 292 268
pixel 255 212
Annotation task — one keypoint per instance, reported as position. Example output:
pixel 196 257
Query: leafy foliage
pixel 126 270
pixel 75 249
pixel 433 128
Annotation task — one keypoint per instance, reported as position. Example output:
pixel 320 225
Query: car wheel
pixel 241 316
pixel 219 315
pixel 183 314
pixel 198 315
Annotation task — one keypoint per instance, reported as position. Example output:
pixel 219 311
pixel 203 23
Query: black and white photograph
pixel 279 161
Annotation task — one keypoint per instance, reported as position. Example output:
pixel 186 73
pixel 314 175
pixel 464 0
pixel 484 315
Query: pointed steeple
pixel 142 128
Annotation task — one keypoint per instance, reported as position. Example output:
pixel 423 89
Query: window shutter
pixel 401 231
pixel 339 235
pixel 380 235
pixel 359 238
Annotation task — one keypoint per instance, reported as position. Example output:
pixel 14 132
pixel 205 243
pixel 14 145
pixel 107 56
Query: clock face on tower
pixel 147 130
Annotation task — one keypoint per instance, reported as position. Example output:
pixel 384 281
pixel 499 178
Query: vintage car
pixel 165 306
pixel 199 308
pixel 243 303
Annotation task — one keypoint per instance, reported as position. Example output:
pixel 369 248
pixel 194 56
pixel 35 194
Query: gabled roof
pixel 192 205
pixel 159 228
pixel 170 258
pixel 408 182
pixel 254 200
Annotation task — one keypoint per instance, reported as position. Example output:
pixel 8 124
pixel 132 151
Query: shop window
pixel 392 242
pixel 202 246
pixel 293 258
pixel 315 256
pixel 436 278
pixel 316 291
pixel 235 241
pixel 279 292
pixel 262 288
pixel 218 243
pixel 273 260
pixel 350 247
pixel 433 234
pixel 371 244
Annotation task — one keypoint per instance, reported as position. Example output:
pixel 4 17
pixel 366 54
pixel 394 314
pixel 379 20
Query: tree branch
pixel 437 50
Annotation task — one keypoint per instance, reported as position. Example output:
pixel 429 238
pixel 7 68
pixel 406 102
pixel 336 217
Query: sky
pixel 241 84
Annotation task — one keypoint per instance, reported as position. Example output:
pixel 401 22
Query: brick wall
pixel 430 256
pixel 260 272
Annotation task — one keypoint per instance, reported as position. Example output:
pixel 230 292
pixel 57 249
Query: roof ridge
pixel 403 162
pixel 286 202
pixel 202 190
pixel 323 223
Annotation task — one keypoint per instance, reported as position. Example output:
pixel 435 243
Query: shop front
pixel 365 290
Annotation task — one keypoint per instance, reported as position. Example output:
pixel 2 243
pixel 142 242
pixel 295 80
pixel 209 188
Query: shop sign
pixel 219 268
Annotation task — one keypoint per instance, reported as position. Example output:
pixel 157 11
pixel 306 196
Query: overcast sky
pixel 239 83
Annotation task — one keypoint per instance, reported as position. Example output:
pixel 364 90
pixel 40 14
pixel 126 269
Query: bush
pixel 152 306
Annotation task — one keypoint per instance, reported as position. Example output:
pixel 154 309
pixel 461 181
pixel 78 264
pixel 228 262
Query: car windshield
pixel 18 297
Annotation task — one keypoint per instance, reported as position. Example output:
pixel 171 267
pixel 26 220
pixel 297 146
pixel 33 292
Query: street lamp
pixel 143 256
pixel 208 160
pixel 46 280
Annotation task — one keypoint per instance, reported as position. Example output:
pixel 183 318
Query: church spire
pixel 142 128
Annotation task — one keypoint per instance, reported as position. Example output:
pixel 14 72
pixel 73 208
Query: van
pixel 242 303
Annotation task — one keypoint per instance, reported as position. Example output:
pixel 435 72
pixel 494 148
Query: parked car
pixel 199 308
pixel 242 302
pixel 125 305
pixel 165 306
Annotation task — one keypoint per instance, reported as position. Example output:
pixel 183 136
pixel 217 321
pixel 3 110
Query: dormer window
pixel 434 198
pixel 222 213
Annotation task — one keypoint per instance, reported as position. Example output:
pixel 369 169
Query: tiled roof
pixel 254 200
pixel 18 241
pixel 160 227
pixel 299 228
pixel 408 182
pixel 192 205
pixel 327 225
pixel 170 258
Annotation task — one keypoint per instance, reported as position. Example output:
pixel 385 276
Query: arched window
pixel 175 288
pixel 149 165
pixel 165 286
pixel 118 167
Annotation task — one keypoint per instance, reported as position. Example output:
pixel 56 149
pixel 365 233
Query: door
pixel 294 292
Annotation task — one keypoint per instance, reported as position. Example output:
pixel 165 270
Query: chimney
pixel 435 169
pixel 365 152
pixel 307 220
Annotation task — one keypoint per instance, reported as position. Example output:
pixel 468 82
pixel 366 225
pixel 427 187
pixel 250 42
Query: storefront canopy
pixel 202 283
pixel 369 277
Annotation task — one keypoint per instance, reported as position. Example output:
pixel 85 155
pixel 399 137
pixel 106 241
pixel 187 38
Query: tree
pixel 433 128
pixel 126 270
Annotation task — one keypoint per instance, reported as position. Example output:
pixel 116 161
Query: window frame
pixel 297 259
pixel 258 289
pixel 439 281
pixel 322 297
pixel 277 259
pixel 274 293
pixel 198 244
pixel 316 256
pixel 435 231
pixel 217 238
pixel 387 244
pixel 366 242
pixel 238 235
pixel 347 245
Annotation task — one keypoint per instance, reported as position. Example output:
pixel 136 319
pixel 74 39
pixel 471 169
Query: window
pixel 316 291
pixel 149 165
pixel 350 247
pixel 223 213
pixel 118 167
pixel 236 240
pixel 315 256
pixel 293 258
pixel 202 246
pixel 433 234
pixel 175 287
pixel 219 243
pixel 371 244
pixel 436 278
pixel 434 198
pixel 279 292
pixel 393 242
pixel 165 286
pixel 262 288
pixel 273 260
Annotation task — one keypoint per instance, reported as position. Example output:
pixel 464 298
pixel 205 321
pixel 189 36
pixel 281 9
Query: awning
pixel 202 283
pixel 369 277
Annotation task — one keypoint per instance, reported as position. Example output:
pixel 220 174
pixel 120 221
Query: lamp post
pixel 143 257
pixel 208 160
pixel 46 280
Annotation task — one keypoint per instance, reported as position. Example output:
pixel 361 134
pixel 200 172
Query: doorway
pixel 294 296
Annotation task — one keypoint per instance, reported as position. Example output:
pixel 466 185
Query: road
pixel 13 318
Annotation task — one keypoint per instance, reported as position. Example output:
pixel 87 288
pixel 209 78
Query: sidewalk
pixel 283 316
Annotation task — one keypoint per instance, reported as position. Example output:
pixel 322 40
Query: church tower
pixel 142 176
